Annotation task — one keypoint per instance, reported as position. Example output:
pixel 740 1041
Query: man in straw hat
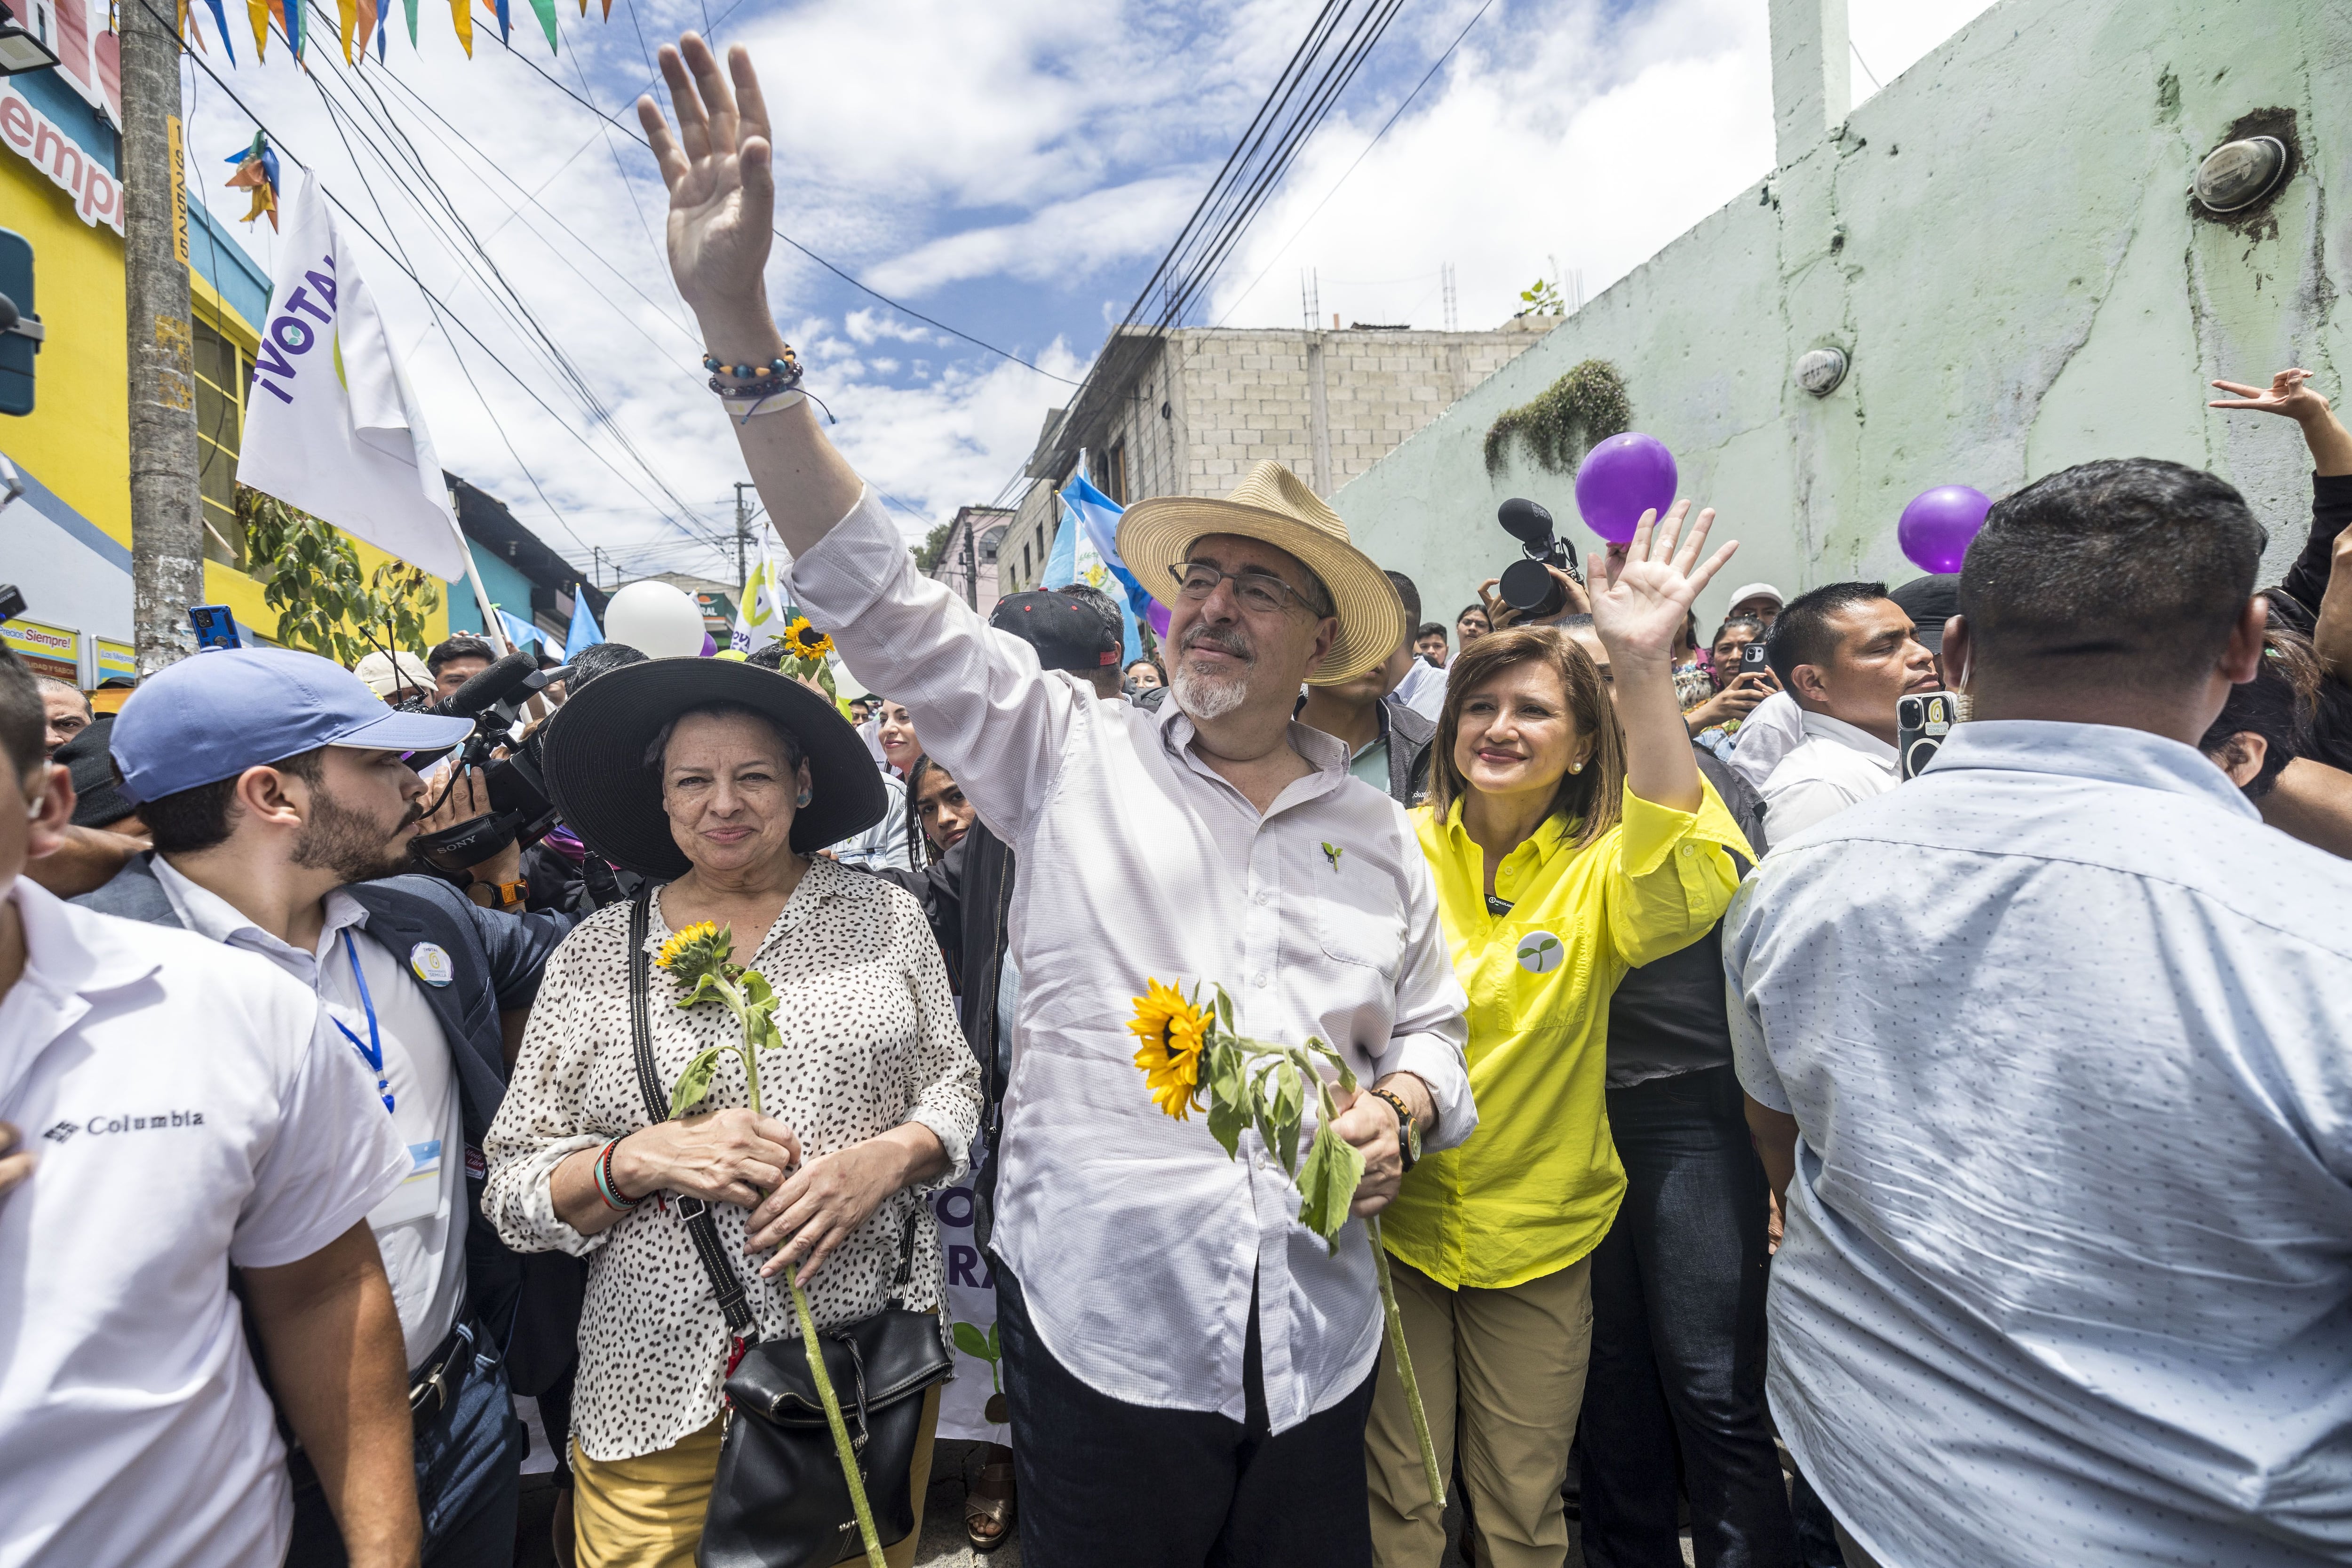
pixel 1189 1368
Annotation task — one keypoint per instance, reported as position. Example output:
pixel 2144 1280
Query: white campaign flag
pixel 332 426
pixel 764 612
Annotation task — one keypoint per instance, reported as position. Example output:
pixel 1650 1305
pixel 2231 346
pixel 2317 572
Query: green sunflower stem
pixel 822 1379
pixel 1404 1361
pixel 841 1429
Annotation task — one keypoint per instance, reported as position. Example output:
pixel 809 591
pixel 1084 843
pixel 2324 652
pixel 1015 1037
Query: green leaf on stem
pixel 1224 1009
pixel 1327 1184
pixel 694 1083
pixel 968 1340
pixel 1289 1102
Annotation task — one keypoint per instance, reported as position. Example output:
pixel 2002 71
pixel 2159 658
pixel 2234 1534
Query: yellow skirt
pixel 647 1513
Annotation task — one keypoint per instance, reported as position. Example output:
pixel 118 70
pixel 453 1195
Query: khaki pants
pixel 647 1513
pixel 1504 1369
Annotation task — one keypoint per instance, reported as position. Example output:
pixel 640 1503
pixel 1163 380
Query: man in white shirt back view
pixel 1844 652
pixel 2045 1050
pixel 190 1109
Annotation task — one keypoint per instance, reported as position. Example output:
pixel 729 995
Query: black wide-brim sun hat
pixel 595 757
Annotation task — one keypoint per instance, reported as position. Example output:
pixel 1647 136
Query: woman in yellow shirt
pixel 1569 841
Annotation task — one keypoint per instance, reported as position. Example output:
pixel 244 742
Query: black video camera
pixel 1528 585
pixel 520 811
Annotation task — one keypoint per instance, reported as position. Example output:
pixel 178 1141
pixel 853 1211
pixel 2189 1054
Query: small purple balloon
pixel 1938 525
pixel 708 646
pixel 1620 479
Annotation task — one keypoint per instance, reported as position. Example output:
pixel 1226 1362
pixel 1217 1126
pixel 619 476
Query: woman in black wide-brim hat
pixel 718 781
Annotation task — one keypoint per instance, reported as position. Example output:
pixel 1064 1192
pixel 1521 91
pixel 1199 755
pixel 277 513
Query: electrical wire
pixel 1435 66
pixel 360 222
pixel 874 293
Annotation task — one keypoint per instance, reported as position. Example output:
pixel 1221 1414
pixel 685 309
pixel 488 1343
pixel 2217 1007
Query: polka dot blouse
pixel 870 1043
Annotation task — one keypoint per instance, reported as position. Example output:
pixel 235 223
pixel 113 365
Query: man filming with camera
pixel 1845 652
pixel 280 794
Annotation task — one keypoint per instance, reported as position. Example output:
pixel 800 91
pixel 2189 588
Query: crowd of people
pixel 1825 1147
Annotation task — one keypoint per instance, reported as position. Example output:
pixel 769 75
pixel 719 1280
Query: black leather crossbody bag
pixel 780 1500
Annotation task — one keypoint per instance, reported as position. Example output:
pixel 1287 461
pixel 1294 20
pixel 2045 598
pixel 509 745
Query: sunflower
pixel 700 949
pixel 806 640
pixel 1172 1031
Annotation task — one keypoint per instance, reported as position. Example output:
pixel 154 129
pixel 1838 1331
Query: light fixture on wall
pixel 20 51
pixel 1821 369
pixel 2237 175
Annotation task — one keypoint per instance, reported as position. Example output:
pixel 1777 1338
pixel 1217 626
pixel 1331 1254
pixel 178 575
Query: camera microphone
pixel 487 689
pixel 1528 585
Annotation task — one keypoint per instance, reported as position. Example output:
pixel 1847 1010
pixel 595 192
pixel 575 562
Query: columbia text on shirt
pixel 192 1109
pixel 2068 1273
pixel 1134 1238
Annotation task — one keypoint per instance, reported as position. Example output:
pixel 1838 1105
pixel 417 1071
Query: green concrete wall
pixel 2002 242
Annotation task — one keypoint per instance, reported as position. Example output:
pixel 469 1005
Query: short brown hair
pixel 199 818
pixel 1592 800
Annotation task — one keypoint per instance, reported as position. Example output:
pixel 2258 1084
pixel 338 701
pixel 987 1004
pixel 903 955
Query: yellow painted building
pixel 66 542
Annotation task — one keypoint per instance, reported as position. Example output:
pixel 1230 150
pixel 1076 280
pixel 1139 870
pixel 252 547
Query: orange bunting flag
pixel 367 25
pixel 256 171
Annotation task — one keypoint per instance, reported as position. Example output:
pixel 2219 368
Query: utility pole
pixel 742 540
pixel 971 564
pixel 167 542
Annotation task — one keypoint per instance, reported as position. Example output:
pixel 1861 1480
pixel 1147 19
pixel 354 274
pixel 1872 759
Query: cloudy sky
pixel 1013 171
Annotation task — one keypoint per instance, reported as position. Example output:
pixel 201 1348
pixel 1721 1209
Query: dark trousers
pixel 1103 1482
pixel 469 1472
pixel 1678 1340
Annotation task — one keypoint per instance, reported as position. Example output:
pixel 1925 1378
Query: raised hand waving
pixel 720 167
pixel 1639 606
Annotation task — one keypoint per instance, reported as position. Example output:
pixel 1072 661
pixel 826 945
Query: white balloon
pixel 657 620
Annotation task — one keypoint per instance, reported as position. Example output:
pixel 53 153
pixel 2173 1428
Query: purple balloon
pixel 1938 525
pixel 708 646
pixel 1620 479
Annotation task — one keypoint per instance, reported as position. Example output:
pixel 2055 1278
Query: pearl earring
pixel 806 797
pixel 1576 767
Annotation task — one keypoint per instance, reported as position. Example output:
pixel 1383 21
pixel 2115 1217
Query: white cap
pixel 386 673
pixel 1747 591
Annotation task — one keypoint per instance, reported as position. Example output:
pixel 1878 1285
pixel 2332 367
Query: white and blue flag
pixel 1085 550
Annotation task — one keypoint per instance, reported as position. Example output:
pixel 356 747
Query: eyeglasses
pixel 1260 591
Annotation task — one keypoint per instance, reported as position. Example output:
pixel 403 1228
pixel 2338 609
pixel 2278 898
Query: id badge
pixel 417 1197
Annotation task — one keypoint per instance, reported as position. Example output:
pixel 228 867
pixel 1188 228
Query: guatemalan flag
pixel 1085 550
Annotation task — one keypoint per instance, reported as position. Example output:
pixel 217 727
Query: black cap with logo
pixel 1067 632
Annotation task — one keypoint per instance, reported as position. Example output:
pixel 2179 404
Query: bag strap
pixel 700 1227
pixel 734 1301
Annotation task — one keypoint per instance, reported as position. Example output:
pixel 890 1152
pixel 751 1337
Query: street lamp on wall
pixel 2236 175
pixel 20 51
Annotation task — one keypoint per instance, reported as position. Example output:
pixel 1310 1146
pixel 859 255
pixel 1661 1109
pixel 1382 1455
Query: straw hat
pixel 1273 505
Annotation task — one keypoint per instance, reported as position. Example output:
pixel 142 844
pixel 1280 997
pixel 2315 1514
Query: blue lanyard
pixel 371 1049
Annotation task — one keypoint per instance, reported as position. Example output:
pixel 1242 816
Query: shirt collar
pixel 209 915
pixel 1327 754
pixel 1550 836
pixel 1851 736
pixel 2108 753
pixel 70 952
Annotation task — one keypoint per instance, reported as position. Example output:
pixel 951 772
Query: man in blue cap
pixel 280 794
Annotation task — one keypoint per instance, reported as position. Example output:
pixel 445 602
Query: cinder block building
pixel 1188 412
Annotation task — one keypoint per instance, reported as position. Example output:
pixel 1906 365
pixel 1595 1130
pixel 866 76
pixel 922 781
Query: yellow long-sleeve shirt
pixel 1536 1187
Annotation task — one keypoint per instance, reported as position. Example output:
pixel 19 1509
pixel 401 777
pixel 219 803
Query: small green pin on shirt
pixel 1332 852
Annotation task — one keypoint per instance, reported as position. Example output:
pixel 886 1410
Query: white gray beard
pixel 1205 699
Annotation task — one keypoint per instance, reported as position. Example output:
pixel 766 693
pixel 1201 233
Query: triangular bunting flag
pixel 412 23
pixel 546 9
pixel 462 13
pixel 220 20
pixel 349 10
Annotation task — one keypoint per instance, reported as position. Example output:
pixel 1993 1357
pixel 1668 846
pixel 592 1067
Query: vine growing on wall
pixel 327 603
pixel 1563 421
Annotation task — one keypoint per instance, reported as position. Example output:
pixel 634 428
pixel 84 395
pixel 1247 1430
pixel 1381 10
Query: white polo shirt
pixel 191 1110
pixel 418 1229
pixel 1837 765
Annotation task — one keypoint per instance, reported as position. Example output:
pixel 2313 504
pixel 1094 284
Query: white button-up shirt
pixel 2068 1275
pixel 420 1228
pixel 190 1109
pixel 1836 765
pixel 1134 1239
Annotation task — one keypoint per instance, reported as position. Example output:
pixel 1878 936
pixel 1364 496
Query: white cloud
pixel 1064 242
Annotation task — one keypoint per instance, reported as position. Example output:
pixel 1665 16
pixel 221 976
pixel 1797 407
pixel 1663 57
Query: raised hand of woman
pixel 720 167
pixel 731 1156
pixel 1639 607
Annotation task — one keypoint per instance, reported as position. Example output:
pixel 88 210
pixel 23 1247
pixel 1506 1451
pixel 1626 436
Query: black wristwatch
pixel 1408 1130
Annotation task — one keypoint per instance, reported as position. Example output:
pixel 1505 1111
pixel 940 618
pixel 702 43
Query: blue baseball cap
pixel 214 715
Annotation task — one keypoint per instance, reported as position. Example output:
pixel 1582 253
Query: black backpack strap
pixel 725 1283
